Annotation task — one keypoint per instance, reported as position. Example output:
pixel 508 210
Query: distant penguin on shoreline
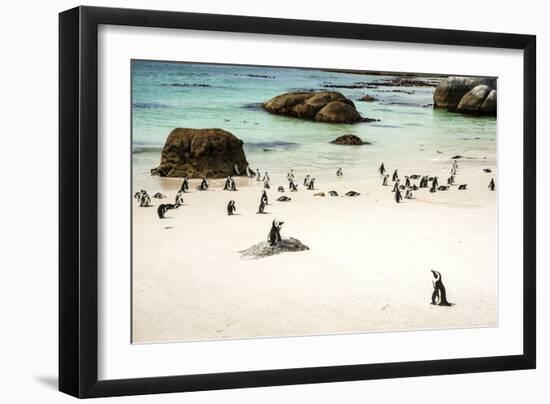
pixel 204 184
pixel 398 196
pixel 395 176
pixel 491 185
pixel 179 198
pixel 339 172
pixel 185 185
pixel 382 170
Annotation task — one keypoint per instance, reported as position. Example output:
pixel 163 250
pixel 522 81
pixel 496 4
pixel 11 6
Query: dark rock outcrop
pixel 201 152
pixel 467 95
pixel 320 106
pixel 349 140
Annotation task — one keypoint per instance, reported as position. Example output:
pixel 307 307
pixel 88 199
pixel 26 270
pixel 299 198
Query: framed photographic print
pixel 250 202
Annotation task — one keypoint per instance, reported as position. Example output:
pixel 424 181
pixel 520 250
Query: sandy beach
pixel 367 270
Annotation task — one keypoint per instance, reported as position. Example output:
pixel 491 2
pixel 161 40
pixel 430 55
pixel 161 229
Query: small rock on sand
pixel 264 249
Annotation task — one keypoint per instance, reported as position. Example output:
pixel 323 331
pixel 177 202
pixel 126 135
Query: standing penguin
pixel 258 175
pixel 232 186
pixel 311 184
pixel 274 236
pixel 231 208
pixel 185 185
pixel 398 197
pixel 290 175
pixel 306 180
pixel 339 172
pixel 204 184
pixel 435 182
pixel 179 198
pixel 407 181
pixel 382 170
pixel 439 295
pixel 144 199
pixel 261 207
pixel 385 180
pixel 227 185
pixel 395 176
pixel 492 184
pixel 395 186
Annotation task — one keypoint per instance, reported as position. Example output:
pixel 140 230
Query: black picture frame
pixel 78 196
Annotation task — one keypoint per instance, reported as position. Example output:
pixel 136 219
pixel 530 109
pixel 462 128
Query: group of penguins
pixel 309 183
pixel 408 187
pixel 274 236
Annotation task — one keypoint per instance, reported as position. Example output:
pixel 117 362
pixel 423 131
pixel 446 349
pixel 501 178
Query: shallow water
pixel 169 95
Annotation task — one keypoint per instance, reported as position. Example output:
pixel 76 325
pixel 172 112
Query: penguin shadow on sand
pixel 439 294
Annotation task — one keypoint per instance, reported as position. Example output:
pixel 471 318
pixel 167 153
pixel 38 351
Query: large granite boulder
pixel 321 106
pixel 475 98
pixel 489 106
pixel 451 91
pixel 201 152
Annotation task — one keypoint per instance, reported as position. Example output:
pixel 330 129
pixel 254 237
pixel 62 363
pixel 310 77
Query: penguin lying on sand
pixel 158 195
pixel 283 198
pixel 333 193
pixel 352 193
pixel 462 187
pixel 281 189
pixel 163 208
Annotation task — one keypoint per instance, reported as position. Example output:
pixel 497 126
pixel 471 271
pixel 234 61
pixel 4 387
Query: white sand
pixel 368 267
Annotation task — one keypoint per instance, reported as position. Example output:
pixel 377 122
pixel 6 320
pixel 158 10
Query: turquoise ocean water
pixel 167 95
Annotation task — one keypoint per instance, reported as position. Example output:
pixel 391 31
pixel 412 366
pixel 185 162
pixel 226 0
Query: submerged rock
pixel 320 106
pixel 213 153
pixel 264 249
pixel 349 140
pixel 367 98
